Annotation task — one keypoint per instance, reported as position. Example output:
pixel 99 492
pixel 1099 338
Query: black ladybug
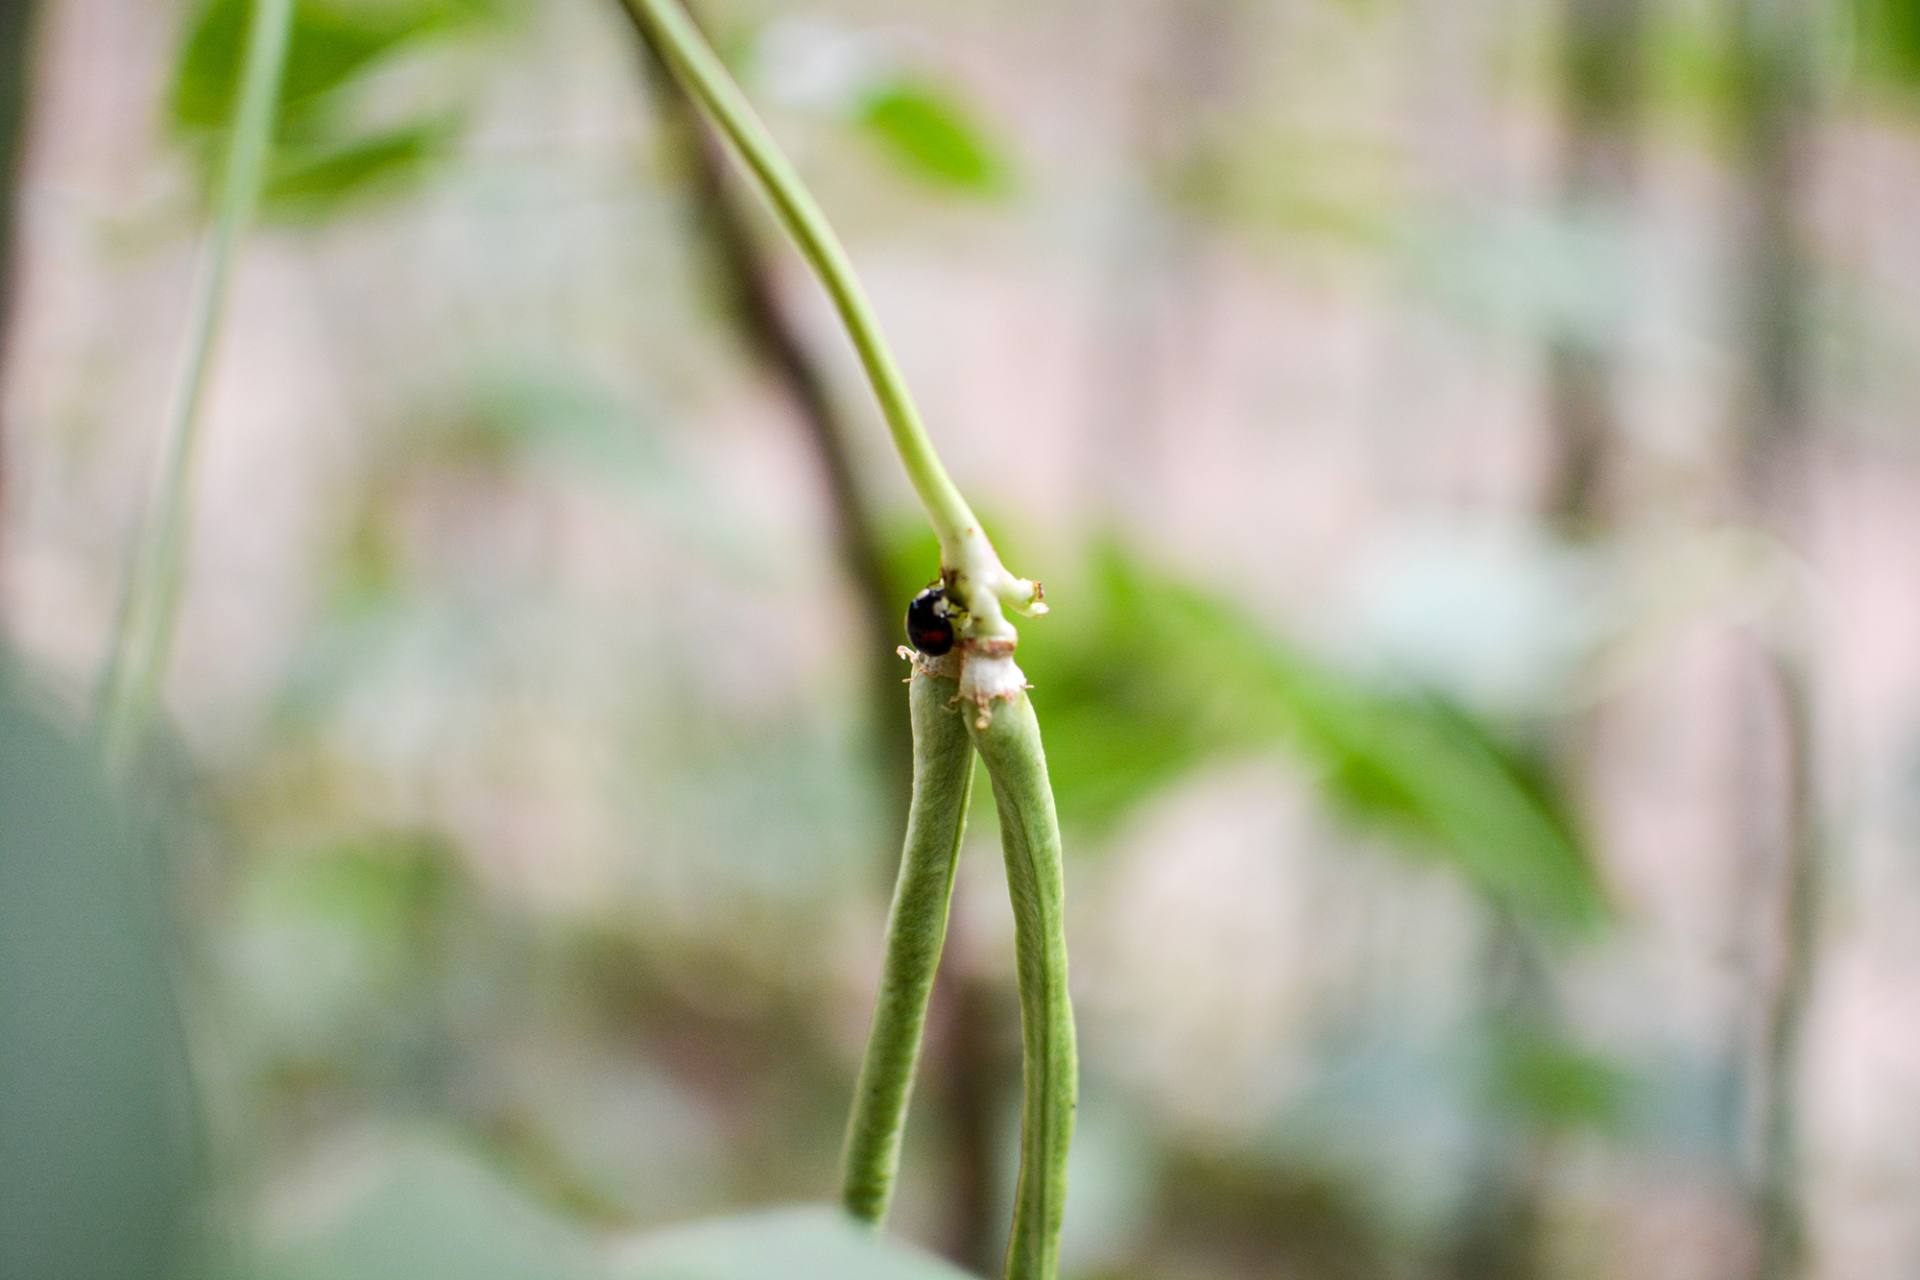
pixel 928 626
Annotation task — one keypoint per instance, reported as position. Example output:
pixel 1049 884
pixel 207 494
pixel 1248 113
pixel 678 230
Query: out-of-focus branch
pixel 1791 918
pixel 16 44
pixel 1600 54
pixel 1600 75
pixel 1774 103
pixel 1500 1236
pixel 746 275
pixel 1151 286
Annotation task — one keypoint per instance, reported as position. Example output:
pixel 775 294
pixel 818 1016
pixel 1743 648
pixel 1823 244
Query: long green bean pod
pixel 1009 741
pixel 916 931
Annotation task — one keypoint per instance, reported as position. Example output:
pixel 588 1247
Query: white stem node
pixel 989 675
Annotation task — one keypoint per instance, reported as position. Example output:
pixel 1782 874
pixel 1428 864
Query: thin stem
pixel 1009 742
pixel 707 77
pixel 1775 97
pixel 1778 1190
pixel 974 571
pixel 916 933
pixel 150 596
pixel 744 271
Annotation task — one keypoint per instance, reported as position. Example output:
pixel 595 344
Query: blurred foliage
pixel 1554 1084
pixel 429 1208
pixel 931 133
pixel 323 153
pixel 1289 187
pixel 314 178
pixel 1145 678
pixel 384 889
pixel 340 954
pixel 795 1244
pixel 1887 39
pixel 97 1140
pixel 1249 1216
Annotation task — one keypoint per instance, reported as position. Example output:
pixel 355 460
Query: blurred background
pixel 1469 450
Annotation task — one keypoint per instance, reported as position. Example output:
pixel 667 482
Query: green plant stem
pixel 704 74
pixel 975 575
pixel 1009 742
pixel 916 933
pixel 744 272
pixel 150 599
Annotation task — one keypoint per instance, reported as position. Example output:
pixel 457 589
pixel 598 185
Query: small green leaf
pixel 932 135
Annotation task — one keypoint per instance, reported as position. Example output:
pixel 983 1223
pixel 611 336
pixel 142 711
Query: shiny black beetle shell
pixel 928 626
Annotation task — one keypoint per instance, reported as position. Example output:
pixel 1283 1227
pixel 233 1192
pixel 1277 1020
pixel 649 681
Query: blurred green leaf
pixel 1333 193
pixel 96 1117
pixel 389 887
pixel 320 159
pixel 1686 67
pixel 331 43
pixel 931 134
pixel 313 181
pixel 431 1209
pixel 793 1244
pixel 1396 756
pixel 1555 1084
pixel 1887 33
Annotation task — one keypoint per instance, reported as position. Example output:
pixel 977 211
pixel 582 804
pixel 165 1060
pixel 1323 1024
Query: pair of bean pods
pixel 946 736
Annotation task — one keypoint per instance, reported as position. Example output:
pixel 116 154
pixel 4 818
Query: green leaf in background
pixel 792 1244
pixel 96 1116
pixel 1558 1085
pixel 1887 35
pixel 1389 755
pixel 313 181
pixel 931 134
pixel 325 49
pixel 320 158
